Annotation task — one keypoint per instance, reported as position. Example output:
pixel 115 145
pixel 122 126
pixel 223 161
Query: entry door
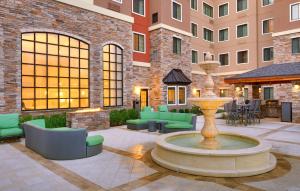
pixel 255 91
pixel 144 98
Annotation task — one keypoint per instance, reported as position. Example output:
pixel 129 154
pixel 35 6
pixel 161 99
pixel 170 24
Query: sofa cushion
pixel 147 109
pixel 94 140
pixel 61 129
pixel 163 108
pixel 37 122
pixel 149 115
pixel 189 118
pixel 179 117
pixel 10 120
pixel 137 121
pixel 11 132
pixel 165 116
pixel 179 126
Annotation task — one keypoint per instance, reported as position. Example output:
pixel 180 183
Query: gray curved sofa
pixel 58 144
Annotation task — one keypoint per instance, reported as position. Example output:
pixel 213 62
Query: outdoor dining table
pixel 243 110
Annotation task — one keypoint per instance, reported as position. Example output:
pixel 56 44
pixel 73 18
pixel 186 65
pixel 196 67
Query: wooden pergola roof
pixel 273 74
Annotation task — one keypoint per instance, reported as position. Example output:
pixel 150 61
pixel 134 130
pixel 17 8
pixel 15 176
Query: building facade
pixel 61 55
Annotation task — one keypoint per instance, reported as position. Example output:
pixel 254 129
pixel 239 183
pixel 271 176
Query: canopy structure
pixel 273 74
pixel 176 77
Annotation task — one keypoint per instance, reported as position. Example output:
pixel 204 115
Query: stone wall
pixel 141 78
pixel 163 60
pixel 35 15
pixel 283 49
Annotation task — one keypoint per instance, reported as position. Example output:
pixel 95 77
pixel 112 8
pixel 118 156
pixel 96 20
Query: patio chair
pixel 257 111
pixel 232 112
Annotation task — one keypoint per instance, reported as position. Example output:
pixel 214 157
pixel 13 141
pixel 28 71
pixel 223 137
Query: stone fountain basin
pixel 217 163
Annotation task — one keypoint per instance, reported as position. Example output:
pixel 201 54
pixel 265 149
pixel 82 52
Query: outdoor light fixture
pixel 137 90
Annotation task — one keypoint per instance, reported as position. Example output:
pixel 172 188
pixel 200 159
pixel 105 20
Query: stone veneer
pixel 35 15
pixel 163 60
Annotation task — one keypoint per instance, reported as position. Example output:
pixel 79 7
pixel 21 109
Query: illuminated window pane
pixel 28 93
pixel 53 38
pixel 119 76
pixel 27 81
pixel 28 105
pixel 40 93
pixel 74 83
pixel 40 48
pixel 64 93
pixel 63 51
pixel 113 66
pixel 52 49
pixel 52 82
pixel 64 82
pixel 40 70
pixel 28 36
pixel 105 65
pixel 84 83
pixel 106 102
pixel 171 95
pixel 84 63
pixel 119 93
pixel 84 93
pixel 84 103
pixel 113 84
pixel 27 46
pixel 28 58
pixel 64 61
pixel 105 57
pixel 112 48
pixel 53 60
pixel 106 84
pixel 112 75
pixel 74 73
pixel 119 101
pixel 64 103
pixel 84 53
pixel 119 59
pixel 112 58
pixel 74 42
pixel 53 71
pixel 41 104
pixel 74 52
pixel 119 67
pixel 52 93
pixel 181 95
pixel 52 103
pixel 64 72
pixel 119 50
pixel 40 59
pixel 27 69
pixel 84 73
pixel 106 75
pixel 106 92
pixel 40 81
pixel 41 37
pixel 113 101
pixel 74 62
pixel 84 45
pixel 74 103
pixel 119 84
pixel 106 48
pixel 74 93
pixel 112 93
pixel 63 40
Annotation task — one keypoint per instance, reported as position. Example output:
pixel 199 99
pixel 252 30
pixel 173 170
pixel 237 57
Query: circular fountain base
pixel 251 158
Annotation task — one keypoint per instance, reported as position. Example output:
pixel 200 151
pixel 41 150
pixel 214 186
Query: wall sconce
pixel 259 90
pixel 237 89
pixel 194 91
pixel 137 90
pixel 296 85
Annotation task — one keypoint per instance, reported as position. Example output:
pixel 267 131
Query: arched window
pixel 112 75
pixel 55 72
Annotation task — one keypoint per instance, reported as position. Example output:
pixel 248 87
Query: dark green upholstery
pixel 9 126
pixel 94 140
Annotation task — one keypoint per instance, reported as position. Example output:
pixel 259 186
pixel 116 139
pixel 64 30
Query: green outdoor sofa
pixel 60 143
pixel 9 126
pixel 174 121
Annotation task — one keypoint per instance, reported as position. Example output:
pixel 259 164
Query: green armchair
pixel 9 126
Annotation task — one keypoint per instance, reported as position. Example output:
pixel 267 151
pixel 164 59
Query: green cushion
pixel 179 117
pixel 10 120
pixel 61 129
pixel 163 108
pixel 147 109
pixel 179 126
pixel 189 118
pixel 149 115
pixel 37 122
pixel 165 116
pixel 11 132
pixel 137 121
pixel 94 140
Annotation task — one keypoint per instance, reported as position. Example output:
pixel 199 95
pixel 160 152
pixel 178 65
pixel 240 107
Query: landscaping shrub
pixel 119 117
pixel 56 120
pixel 181 110
pixel 24 118
pixel 187 111
pixel 174 110
pixel 196 110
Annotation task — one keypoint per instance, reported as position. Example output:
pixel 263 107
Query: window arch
pixel 55 72
pixel 112 75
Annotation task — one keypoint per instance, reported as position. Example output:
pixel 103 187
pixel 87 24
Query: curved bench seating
pixel 60 143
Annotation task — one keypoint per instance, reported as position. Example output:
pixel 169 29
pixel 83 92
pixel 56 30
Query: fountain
pixel 213 153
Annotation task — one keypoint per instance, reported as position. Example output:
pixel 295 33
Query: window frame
pixel 295 53
pixel 228 13
pixel 263 54
pixel 118 1
pixel 196 6
pixel 180 48
pixel 291 17
pixel 228 59
pixel 237 56
pixel 185 94
pixel 141 34
pixel 237 11
pixel 193 50
pixel 248 30
pixel 271 95
pixel 227 34
pixel 193 23
pixel 47 87
pixel 181 15
pixel 211 35
pixel 175 98
pixel 262 26
pixel 132 9
pixel 203 10
pixel 262 3
pixel 116 78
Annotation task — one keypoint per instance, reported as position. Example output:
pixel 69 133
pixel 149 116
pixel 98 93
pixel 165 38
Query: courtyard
pixel 126 164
